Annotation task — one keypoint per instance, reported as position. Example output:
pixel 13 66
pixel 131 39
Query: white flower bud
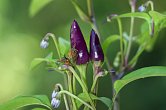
pixel 54 94
pixel 142 8
pixel 55 103
pixel 44 44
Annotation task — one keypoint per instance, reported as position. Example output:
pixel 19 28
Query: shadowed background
pixel 20 36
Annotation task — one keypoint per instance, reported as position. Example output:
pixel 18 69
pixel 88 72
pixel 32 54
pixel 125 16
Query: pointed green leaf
pixel 84 97
pixel 23 101
pixel 159 23
pixel 157 16
pixel 140 15
pixel 36 6
pixel 38 61
pixel 80 11
pixel 138 74
pixel 64 45
pixel 136 15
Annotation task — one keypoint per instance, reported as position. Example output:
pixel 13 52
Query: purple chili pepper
pixel 96 52
pixel 78 43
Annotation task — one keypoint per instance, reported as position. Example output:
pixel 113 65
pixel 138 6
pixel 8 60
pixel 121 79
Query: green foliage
pixel 144 39
pixel 140 15
pixel 155 21
pixel 108 41
pixel 24 101
pixel 63 45
pixel 84 97
pixel 159 23
pixel 80 11
pixel 38 61
pixel 36 6
pixel 138 74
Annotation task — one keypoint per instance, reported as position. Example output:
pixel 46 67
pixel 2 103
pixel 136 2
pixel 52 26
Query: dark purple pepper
pixel 96 52
pixel 78 43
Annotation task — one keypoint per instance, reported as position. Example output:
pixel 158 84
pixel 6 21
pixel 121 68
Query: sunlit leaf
pixel 37 61
pixel 140 15
pixel 39 109
pixel 64 45
pixel 36 6
pixel 136 15
pixel 24 101
pixel 84 97
pixel 80 11
pixel 138 74
pixel 49 56
pixel 157 16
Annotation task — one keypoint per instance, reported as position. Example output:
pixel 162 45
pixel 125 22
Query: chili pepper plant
pixel 73 62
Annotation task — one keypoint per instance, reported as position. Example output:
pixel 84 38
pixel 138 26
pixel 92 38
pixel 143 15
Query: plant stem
pixel 92 17
pixel 82 85
pixel 74 85
pixel 115 101
pixel 131 34
pixel 71 90
pixel 121 43
pixel 64 96
pixel 82 70
pixel 151 4
pixel 77 98
pixel 55 42
pixel 94 83
pixel 90 7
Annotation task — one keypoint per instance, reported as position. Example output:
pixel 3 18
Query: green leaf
pixel 157 16
pixel 136 15
pixel 140 15
pixel 39 109
pixel 138 74
pixel 37 61
pixel 80 11
pixel 36 6
pixel 159 23
pixel 23 101
pixel 84 97
pixel 49 56
pixel 108 41
pixel 64 45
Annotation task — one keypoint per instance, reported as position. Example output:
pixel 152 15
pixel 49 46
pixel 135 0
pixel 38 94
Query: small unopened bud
pixel 44 44
pixel 109 18
pixel 54 94
pixel 102 73
pixel 142 8
pixel 63 67
pixel 113 72
pixel 55 102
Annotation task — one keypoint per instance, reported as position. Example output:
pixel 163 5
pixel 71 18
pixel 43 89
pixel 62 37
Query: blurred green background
pixel 20 36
